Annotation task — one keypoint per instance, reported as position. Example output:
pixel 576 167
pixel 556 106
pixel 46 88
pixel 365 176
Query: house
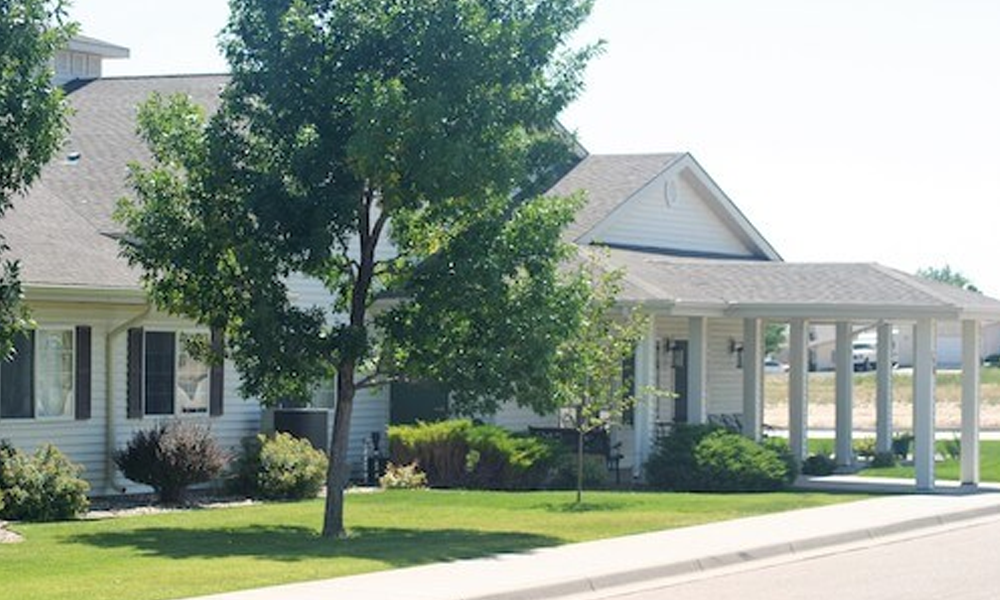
pixel 103 363
pixel 710 281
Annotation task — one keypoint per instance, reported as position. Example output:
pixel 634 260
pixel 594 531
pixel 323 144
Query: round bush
pixel 819 465
pixel 42 487
pixel 281 467
pixel 170 457
pixel 706 458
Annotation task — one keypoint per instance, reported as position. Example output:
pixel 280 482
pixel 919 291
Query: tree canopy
pixel 32 123
pixel 947 275
pixel 394 150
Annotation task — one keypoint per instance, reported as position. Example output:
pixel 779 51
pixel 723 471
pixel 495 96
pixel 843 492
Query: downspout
pixel 110 469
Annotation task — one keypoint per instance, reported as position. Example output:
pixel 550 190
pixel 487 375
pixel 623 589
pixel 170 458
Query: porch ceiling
pixel 781 290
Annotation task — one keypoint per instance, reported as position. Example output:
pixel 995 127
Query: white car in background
pixel 864 356
pixel 773 365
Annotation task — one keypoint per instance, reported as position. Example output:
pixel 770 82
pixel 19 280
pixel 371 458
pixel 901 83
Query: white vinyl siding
pixel 725 381
pixel 82 441
pixel 689 224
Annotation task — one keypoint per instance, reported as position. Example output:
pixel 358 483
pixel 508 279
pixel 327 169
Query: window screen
pixel 159 355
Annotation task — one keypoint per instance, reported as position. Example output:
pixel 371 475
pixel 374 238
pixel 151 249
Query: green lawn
pixel 198 552
pixel 950 469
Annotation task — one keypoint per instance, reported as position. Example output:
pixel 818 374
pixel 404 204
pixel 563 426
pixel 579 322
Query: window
pixel 48 376
pixel 165 378
pixel 175 381
pixel 192 378
pixel 54 372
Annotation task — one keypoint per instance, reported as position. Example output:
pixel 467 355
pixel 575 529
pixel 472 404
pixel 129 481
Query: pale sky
pixel 846 130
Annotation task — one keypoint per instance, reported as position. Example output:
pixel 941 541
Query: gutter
pixel 110 470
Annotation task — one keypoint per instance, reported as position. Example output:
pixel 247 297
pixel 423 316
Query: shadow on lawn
pixel 397 547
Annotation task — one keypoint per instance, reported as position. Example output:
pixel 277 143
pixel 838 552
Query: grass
pixel 188 553
pixel 950 468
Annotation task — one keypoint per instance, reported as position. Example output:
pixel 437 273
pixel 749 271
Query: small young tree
pixel 32 123
pixel 589 372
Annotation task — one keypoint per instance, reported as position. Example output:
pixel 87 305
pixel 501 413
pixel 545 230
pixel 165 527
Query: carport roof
pixel 818 291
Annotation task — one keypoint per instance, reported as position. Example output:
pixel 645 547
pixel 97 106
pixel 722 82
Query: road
pixel 958 564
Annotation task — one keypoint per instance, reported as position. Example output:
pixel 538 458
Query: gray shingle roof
pixel 833 290
pixel 610 180
pixel 59 229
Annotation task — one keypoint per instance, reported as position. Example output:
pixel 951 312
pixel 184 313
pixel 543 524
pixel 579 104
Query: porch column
pixel 798 374
pixel 645 380
pixel 883 389
pixel 753 380
pixel 970 403
pixel 697 366
pixel 923 403
pixel 844 394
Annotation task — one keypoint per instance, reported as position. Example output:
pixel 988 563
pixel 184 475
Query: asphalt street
pixel 960 563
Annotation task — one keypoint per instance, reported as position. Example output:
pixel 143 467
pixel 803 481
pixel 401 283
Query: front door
pixel 678 359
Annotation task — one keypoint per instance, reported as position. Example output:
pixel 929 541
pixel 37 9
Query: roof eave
pixel 84 294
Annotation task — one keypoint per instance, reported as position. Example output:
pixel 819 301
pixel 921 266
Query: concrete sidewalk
pixel 606 564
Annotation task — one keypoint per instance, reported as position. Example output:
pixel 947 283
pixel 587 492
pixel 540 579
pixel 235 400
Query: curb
pixel 607 581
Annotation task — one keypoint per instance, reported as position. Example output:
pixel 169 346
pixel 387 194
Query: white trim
pixel 844 452
pixel 970 402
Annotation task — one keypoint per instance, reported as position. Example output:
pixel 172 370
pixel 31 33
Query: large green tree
pixel 394 150
pixel 32 123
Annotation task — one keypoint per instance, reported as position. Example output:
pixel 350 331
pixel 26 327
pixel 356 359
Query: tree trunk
pixel 338 471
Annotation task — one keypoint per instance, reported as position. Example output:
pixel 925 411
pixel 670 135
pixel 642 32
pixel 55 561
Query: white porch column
pixel 697 370
pixel 844 453
pixel 923 403
pixel 883 390
pixel 753 378
pixel 970 403
pixel 798 388
pixel 645 407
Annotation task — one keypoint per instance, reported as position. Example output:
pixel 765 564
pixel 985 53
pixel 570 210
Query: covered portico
pixel 715 310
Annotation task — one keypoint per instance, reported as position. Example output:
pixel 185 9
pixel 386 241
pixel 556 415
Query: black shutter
pixel 83 361
pixel 17 392
pixel 215 376
pixel 134 381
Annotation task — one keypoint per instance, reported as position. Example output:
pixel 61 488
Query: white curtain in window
pixel 54 372
pixel 192 378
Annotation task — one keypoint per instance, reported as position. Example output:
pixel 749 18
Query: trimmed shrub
pixel 709 458
pixel 457 453
pixel 45 486
pixel 883 460
pixel 672 464
pixel 901 445
pixel 170 457
pixel 280 467
pixel 784 451
pixel 820 465
pixel 562 475
pixel 952 449
pixel 402 477
pixel 865 448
